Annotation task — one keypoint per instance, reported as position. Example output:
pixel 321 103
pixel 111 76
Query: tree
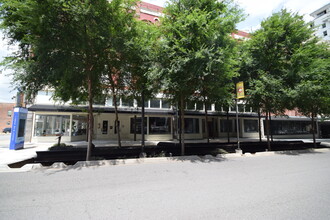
pixel 195 44
pixel 141 61
pixel 61 44
pixel 115 57
pixel 311 94
pixel 274 69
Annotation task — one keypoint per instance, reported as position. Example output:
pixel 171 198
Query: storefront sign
pixel 18 128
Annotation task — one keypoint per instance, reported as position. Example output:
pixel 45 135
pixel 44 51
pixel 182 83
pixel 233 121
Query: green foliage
pixel 197 51
pixel 278 52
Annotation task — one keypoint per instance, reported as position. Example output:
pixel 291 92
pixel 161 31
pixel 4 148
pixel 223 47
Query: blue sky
pixel 256 11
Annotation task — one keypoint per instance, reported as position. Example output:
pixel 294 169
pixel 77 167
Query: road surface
pixel 286 186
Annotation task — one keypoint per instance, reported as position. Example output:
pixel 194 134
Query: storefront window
pixel 250 126
pixel 79 125
pixel 191 125
pixel 52 125
pixel 159 125
pixel 138 126
pixel 290 127
pixel 226 125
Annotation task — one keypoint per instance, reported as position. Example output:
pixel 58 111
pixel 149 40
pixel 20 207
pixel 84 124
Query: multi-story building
pixel 47 119
pixel 322 22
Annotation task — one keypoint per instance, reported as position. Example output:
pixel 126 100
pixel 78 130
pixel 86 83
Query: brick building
pixel 6 111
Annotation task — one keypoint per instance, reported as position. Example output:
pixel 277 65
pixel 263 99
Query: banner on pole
pixel 240 90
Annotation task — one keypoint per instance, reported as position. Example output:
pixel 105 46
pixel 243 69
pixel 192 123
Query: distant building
pixel 6 111
pixel 148 12
pixel 322 22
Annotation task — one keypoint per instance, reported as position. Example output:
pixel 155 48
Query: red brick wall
pixel 4 118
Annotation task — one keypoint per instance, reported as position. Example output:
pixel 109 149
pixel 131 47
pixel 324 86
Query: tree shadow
pixel 298 152
pixel 62 167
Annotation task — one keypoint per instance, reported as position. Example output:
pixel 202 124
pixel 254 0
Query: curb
pixel 206 158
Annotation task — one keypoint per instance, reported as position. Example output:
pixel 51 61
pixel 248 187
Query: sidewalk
pixel 29 151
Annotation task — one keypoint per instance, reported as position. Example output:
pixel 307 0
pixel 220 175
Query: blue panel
pixel 18 128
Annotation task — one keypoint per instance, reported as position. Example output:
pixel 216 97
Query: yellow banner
pixel 240 90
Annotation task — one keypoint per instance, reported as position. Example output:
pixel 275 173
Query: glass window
pixel 159 125
pixel 209 107
pixel 127 102
pixel 52 125
pixel 290 127
pixel 100 100
pixel 79 125
pixel 324 25
pixel 155 103
pixel 190 105
pixel 138 126
pixel 325 33
pixel 226 125
pixel 199 106
pixel 9 113
pixel 250 125
pixel 218 108
pixel 191 125
pixel 240 108
pixel 105 127
pixel 165 103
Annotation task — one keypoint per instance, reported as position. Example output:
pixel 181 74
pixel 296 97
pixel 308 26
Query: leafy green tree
pixel 196 49
pixel 141 57
pixel 115 57
pixel 62 45
pixel 274 69
pixel 311 94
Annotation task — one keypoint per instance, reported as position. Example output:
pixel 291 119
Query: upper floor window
pixel 321 13
pixel 9 113
pixel 324 25
pixel 325 33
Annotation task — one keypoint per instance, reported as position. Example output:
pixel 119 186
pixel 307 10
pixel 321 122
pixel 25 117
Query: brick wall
pixel 5 120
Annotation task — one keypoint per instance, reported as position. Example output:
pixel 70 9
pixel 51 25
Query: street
pixel 282 186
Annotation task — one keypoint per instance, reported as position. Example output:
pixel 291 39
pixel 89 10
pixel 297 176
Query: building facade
pixel 6 111
pixel 48 119
pixel 322 22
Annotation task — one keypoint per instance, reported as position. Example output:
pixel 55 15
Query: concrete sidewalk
pixel 29 151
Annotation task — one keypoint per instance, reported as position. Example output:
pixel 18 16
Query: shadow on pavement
pixel 61 167
pixel 298 152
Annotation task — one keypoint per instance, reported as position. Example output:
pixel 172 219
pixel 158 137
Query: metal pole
pixel 237 127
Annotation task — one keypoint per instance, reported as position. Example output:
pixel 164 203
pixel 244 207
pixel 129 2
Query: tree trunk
pixel 117 120
pixel 182 127
pixel 134 127
pixel 90 120
pixel 142 123
pixel 270 127
pixel 267 129
pixel 259 124
pixel 227 122
pixel 313 129
pixel 206 124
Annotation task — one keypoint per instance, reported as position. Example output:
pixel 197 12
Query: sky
pixel 256 11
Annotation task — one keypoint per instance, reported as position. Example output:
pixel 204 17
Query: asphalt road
pixel 290 186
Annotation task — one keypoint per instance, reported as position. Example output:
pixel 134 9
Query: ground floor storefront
pixel 46 124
